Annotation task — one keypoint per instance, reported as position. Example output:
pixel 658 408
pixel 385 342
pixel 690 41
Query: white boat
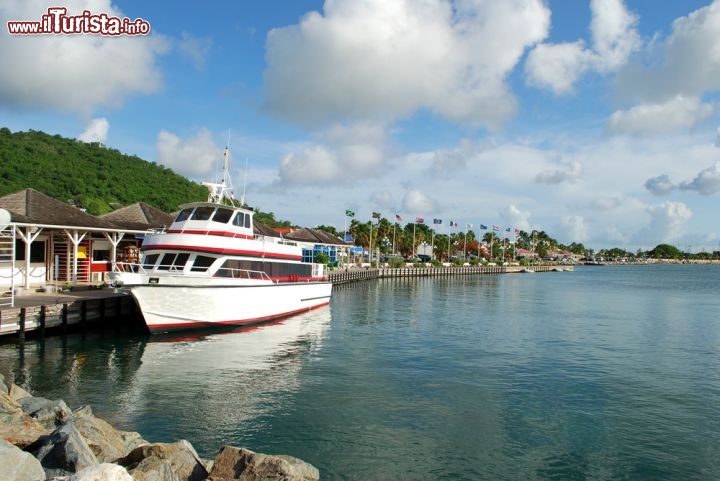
pixel 209 268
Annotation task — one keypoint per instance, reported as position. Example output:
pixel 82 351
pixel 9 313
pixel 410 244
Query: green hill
pixel 88 174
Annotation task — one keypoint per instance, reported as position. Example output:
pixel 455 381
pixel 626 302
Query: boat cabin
pixel 207 218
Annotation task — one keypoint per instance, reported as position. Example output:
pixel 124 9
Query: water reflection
pixel 211 386
pixel 200 387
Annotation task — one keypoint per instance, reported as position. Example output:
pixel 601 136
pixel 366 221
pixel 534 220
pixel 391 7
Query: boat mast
pixel 219 191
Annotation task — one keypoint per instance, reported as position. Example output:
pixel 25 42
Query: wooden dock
pixel 41 313
pixel 343 276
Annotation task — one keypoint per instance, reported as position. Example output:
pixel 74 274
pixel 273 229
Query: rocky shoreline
pixel 44 440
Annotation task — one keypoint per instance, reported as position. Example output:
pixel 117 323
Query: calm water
pixel 605 373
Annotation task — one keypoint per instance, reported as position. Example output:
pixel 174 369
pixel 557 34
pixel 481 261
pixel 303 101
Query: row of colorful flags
pixel 421 220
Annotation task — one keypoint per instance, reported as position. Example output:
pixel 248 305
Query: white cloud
pixel 677 113
pixel 606 203
pixel 195 48
pixel 197 157
pixel 96 131
pixel 614 38
pixel 717 138
pixel 687 63
pixel 706 182
pixel 417 202
pixel 575 228
pixel 614 32
pixel 557 66
pixel 343 153
pixel 515 218
pixel 667 222
pixel 660 185
pixel 75 73
pixel 570 173
pixel 373 59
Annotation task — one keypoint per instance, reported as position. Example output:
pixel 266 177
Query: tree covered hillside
pixel 96 178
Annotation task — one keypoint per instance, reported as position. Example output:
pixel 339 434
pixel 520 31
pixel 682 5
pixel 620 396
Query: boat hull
pixel 169 308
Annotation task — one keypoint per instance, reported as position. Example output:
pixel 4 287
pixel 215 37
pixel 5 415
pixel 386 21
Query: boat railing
pixel 129 267
pixel 232 273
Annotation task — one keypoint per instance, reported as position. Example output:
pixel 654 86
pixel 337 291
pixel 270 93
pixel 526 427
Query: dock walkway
pixel 41 311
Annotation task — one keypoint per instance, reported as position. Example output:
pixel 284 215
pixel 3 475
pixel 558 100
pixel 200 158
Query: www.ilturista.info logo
pixel 57 21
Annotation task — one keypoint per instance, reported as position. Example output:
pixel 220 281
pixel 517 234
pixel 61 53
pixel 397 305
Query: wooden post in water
pixel 21 331
pixel 64 317
pixel 42 320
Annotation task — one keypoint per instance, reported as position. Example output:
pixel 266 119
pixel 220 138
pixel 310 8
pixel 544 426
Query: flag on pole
pixel 376 215
pixel 507 230
pixel 349 213
pixel 496 228
pixel 517 232
pixel 419 220
pixel 483 227
pixel 398 218
pixel 437 221
pixel 468 226
pixel 453 224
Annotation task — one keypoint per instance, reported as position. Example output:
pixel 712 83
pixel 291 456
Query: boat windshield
pixel 184 214
pixel 222 215
pixel 202 213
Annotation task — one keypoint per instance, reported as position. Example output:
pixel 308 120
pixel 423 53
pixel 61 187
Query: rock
pixel 150 461
pixel 102 472
pixel 17 465
pixel 17 427
pixel 244 465
pixel 107 443
pixel 154 469
pixel 50 413
pixel 10 410
pixel 16 392
pixel 23 434
pixel 64 452
pixel 3 386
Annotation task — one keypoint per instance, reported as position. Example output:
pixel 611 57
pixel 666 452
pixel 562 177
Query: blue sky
pixel 596 121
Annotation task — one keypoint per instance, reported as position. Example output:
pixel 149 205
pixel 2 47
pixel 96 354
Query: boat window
pixel 202 263
pixel 149 261
pixel 180 261
pixel 239 219
pixel 184 214
pixel 222 215
pixel 247 221
pixel 202 213
pixel 166 262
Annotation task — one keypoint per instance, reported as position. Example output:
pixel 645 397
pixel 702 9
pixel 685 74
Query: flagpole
pixel 432 244
pixel 394 225
pixel 413 244
pixel 448 231
pixel 465 244
pixel 370 243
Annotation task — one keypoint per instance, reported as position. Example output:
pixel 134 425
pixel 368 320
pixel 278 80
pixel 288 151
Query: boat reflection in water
pixel 209 388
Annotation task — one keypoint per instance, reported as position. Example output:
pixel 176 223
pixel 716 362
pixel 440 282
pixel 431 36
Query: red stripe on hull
pixel 211 250
pixel 172 327
pixel 220 233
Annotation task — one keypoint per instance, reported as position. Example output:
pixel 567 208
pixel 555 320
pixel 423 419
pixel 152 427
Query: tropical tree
pixel 665 251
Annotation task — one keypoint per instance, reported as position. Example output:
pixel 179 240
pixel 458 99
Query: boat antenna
pixel 242 199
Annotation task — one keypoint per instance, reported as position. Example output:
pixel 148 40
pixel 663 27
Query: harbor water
pixel 604 373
